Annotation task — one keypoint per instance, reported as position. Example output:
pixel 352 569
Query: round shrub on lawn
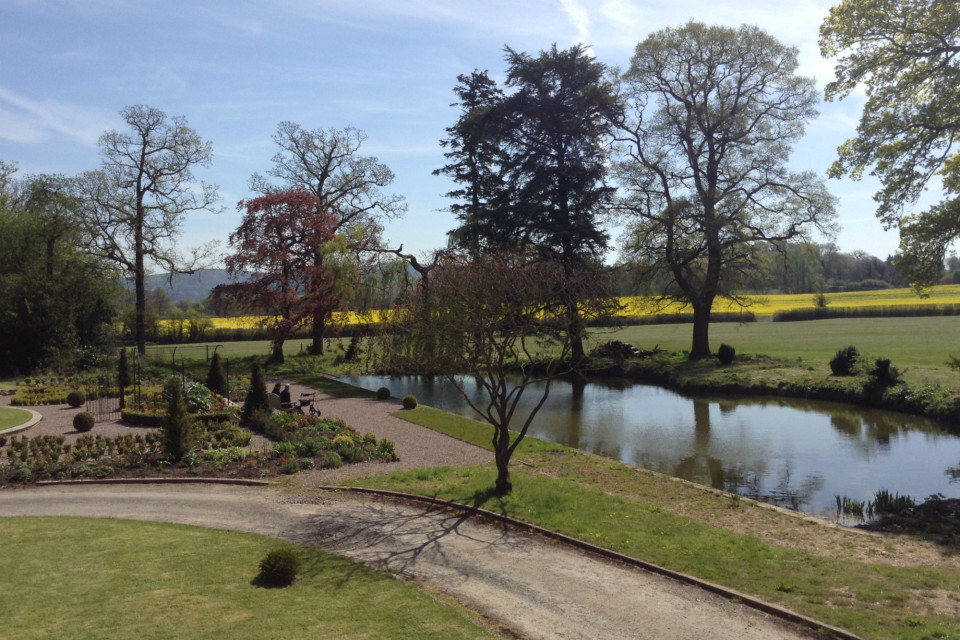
pixel 279 568
pixel 409 402
pixel 383 393
pixel 76 399
pixel 83 421
pixel 726 354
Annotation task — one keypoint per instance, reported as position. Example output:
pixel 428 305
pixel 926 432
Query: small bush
pixel 331 460
pixel 383 393
pixel 883 375
pixel 76 399
pixel 279 568
pixel 83 421
pixel 843 362
pixel 725 354
pixel 409 402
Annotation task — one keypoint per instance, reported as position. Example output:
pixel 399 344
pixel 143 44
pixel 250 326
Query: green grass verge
pixel 472 431
pixel 10 418
pixel 626 509
pixel 83 578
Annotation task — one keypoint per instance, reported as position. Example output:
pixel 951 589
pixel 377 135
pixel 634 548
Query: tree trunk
pixel 316 332
pixel 140 324
pixel 701 332
pixel 501 454
pixel 277 355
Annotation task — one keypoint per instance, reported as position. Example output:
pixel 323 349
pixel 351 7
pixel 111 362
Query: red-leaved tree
pixel 275 246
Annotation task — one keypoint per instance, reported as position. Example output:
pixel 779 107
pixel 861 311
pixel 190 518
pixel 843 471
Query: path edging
pixel 725 592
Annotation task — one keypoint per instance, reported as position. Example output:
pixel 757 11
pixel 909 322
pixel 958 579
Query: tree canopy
pixel 710 118
pixel 277 239
pixel 57 304
pixel 352 187
pixel 531 161
pixel 906 54
pixel 137 200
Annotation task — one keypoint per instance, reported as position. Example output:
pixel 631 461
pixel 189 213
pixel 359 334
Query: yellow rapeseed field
pixel 764 306
pixel 761 306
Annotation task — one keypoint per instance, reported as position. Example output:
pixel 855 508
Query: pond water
pixel 794 453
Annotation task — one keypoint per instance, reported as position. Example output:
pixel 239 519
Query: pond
pixel 797 454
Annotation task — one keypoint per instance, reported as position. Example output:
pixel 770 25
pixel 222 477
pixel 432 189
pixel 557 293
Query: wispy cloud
pixel 578 18
pixel 31 121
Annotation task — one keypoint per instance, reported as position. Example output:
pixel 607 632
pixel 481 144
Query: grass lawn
pixel 84 578
pixel 10 417
pixel 834 575
pixel 920 345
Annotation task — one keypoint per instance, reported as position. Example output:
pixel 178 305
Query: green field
pixel 909 342
pixel 85 578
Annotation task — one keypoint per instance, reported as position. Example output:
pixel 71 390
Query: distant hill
pixel 194 287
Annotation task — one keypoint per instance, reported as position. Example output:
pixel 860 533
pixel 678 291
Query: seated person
pixel 276 389
pixel 285 395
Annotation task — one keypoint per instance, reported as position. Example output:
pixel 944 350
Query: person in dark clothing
pixel 285 395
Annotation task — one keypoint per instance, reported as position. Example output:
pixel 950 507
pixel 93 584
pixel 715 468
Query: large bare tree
pixel 328 164
pixel 712 113
pixel 137 200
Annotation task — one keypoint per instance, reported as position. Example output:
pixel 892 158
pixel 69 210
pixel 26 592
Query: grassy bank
pixel 83 578
pixel 874 586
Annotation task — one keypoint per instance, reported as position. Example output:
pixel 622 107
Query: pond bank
pixel 762 375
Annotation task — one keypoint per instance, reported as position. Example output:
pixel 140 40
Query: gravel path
pixel 533 587
pixel 416 446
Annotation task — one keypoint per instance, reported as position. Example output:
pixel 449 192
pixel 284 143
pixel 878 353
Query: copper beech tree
pixel 500 321
pixel 276 241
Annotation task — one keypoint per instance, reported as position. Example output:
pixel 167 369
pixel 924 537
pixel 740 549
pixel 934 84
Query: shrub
pixel 883 375
pixel 725 354
pixel 616 350
pixel 843 362
pixel 179 432
pixel 279 568
pixel 409 402
pixel 83 421
pixel 258 421
pixel 257 396
pixel 76 399
pixel 198 398
pixel 383 393
pixel 216 378
pixel 331 460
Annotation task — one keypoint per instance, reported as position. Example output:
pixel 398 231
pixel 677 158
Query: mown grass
pixel 10 418
pixel 638 513
pixel 920 344
pixel 84 578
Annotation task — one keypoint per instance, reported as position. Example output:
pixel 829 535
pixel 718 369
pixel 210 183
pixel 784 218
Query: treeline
pixel 800 268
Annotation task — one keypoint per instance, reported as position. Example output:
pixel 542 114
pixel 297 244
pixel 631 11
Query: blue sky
pixel 236 68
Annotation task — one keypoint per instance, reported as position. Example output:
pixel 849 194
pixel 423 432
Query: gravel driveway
pixel 529 585
pixel 523 583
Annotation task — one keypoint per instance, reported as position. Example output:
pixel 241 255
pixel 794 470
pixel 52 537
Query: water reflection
pixel 798 454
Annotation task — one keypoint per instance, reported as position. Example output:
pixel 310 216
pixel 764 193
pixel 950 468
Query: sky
pixel 236 68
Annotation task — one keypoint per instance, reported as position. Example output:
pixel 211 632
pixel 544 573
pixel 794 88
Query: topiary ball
pixel 409 402
pixel 76 399
pixel 725 354
pixel 383 393
pixel 279 568
pixel 83 421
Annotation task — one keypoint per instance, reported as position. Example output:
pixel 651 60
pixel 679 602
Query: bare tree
pixel 136 202
pixel 328 164
pixel 499 320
